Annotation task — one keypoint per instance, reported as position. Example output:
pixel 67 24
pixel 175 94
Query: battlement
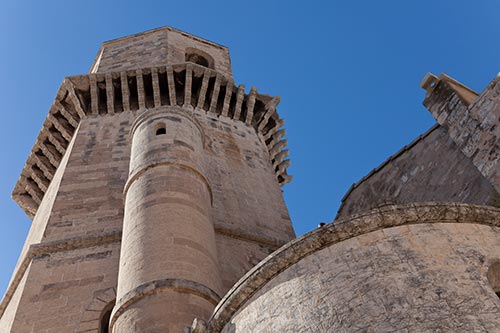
pixel 195 87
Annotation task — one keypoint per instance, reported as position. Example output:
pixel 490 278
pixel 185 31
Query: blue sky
pixel 347 72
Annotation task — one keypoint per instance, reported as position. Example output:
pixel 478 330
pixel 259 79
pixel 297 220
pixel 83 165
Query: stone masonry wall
pixel 473 127
pixel 168 235
pixel 74 243
pixel 90 198
pixel 249 213
pixel 74 178
pixel 67 291
pixel 7 318
pixel 428 272
pixel 431 169
pixel 132 52
pixel 250 216
pixel 44 212
pixel 455 161
pixel 157 47
pixel 188 85
pixel 180 42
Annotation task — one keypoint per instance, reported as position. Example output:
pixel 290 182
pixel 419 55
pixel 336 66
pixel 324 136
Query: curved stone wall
pixel 168 265
pixel 420 267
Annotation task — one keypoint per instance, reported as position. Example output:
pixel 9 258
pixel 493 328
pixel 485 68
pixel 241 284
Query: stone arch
pixel 199 57
pixel 91 317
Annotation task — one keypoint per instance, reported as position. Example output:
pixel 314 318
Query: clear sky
pixel 347 71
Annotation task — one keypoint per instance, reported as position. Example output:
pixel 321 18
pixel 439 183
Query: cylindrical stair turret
pixel 168 265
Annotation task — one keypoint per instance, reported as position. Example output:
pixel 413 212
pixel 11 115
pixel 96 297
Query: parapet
pixel 192 86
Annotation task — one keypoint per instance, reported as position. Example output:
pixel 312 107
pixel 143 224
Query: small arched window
pixel 160 129
pixel 199 57
pixel 493 276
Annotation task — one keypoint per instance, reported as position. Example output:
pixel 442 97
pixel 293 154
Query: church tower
pixel 153 186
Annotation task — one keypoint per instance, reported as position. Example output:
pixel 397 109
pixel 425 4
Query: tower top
pixel 161 46
pixel 156 68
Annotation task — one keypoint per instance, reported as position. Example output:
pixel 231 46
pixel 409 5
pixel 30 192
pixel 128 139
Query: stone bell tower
pixel 154 185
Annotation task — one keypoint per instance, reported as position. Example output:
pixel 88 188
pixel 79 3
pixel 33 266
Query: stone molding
pixel 248 237
pixel 341 230
pixel 188 86
pixel 43 249
pixel 159 286
pixel 136 175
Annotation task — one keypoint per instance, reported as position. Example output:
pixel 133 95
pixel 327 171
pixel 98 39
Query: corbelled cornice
pixel 187 85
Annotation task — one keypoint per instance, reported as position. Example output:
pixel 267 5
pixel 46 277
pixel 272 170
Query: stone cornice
pixel 243 235
pixel 159 286
pixel 133 177
pixel 185 85
pixel 339 231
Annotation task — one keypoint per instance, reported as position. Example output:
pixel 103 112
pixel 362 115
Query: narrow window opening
pixel 210 89
pixel 133 94
pixel 105 318
pixel 84 98
pixel 179 78
pixel 244 109
pixel 195 89
pixel 117 88
pixel 163 82
pixel 102 98
pixel 160 128
pixel 220 99
pixel 148 90
pixel 232 103
pixel 493 276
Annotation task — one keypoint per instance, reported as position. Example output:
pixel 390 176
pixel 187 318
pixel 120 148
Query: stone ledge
pixel 159 286
pixel 248 237
pixel 133 177
pixel 42 249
